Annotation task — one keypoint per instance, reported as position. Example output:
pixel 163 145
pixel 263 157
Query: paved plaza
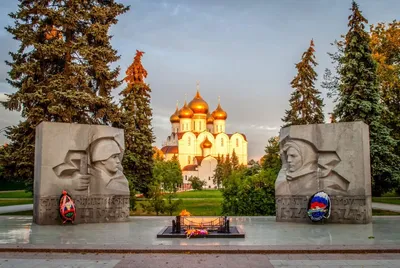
pixel 58 260
pixel 134 244
pixel 140 233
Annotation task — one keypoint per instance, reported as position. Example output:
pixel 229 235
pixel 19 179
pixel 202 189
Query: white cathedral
pixel 198 137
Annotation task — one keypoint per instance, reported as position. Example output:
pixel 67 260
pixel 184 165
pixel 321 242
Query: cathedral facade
pixel 198 137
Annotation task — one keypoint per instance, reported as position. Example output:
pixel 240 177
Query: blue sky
pixel 243 51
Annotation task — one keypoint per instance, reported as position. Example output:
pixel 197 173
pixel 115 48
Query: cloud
pixel 264 127
pixel 176 10
pixel 3 97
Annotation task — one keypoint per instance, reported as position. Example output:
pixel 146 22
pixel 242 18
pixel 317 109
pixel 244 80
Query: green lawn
pixel 14 202
pixel 19 213
pixel 387 200
pixel 201 194
pixel 207 207
pixel 15 194
pixel 379 212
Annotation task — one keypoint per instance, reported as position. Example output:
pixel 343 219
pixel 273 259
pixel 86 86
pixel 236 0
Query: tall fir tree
pixel 136 121
pixel 219 172
pixel 234 160
pixel 227 167
pixel 60 70
pixel 358 98
pixel 305 102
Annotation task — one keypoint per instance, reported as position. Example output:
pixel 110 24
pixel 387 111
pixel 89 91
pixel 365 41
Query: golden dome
pixel 185 112
pixel 198 105
pixel 219 113
pixel 206 144
pixel 210 118
pixel 175 116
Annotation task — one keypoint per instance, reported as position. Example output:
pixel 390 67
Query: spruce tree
pixel 219 172
pixel 305 102
pixel 136 121
pixel 227 167
pixel 358 99
pixel 234 160
pixel 60 71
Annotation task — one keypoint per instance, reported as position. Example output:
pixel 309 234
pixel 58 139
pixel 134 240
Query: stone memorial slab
pixel 334 158
pixel 84 160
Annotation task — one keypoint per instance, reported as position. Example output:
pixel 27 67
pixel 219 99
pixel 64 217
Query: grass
pixel 379 212
pixel 201 194
pixel 19 213
pixel 387 200
pixel 15 194
pixel 14 202
pixel 207 207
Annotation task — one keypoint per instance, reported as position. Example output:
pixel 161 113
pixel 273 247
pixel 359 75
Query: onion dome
pixel 206 144
pixel 185 112
pixel 175 116
pixel 210 118
pixel 198 105
pixel 219 113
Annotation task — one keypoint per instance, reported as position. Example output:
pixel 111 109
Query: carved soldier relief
pixel 84 160
pixel 306 170
pixel 96 172
pixel 333 158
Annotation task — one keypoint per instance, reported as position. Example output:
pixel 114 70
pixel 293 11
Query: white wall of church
pixel 219 126
pixel 221 144
pixel 187 148
pixel 239 144
pixel 185 125
pixel 206 171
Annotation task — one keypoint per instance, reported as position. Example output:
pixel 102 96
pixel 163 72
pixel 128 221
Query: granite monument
pixel 84 160
pixel 333 158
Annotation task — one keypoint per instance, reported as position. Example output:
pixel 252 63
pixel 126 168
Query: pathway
pixel 383 206
pixel 16 208
pixel 58 260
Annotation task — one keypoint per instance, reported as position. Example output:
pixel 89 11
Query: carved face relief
pixel 294 159
pixel 300 157
pixel 112 163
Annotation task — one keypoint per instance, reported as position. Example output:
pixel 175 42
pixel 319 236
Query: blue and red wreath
pixel 319 206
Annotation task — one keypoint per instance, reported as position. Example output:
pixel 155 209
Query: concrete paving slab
pixel 16 208
pixel 263 235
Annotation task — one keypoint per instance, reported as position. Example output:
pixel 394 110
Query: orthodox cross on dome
pixel 219 99
pixel 198 85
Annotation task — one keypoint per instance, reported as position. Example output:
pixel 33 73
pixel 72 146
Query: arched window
pixel 188 141
pixel 199 125
pixel 237 142
pixel 222 141
pixel 189 159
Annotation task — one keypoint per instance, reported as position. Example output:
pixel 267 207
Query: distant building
pixel 198 137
